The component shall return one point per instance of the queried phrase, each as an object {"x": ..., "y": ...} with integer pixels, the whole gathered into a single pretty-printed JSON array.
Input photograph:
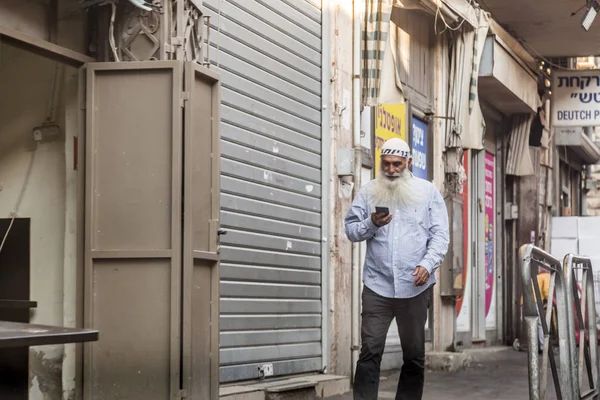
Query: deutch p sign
[{"x": 576, "y": 98}]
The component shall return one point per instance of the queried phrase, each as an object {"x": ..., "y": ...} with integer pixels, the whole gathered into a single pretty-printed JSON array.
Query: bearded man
[{"x": 404, "y": 248}]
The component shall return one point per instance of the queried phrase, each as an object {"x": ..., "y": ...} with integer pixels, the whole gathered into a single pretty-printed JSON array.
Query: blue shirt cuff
[
  {"x": 371, "y": 225},
  {"x": 428, "y": 266}
]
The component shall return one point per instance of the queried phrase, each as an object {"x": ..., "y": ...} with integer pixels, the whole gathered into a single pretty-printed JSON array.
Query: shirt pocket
[
  {"x": 415, "y": 232},
  {"x": 416, "y": 220}
]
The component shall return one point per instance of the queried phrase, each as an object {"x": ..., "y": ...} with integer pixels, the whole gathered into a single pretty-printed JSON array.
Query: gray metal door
[
  {"x": 268, "y": 54},
  {"x": 201, "y": 226},
  {"x": 141, "y": 239}
]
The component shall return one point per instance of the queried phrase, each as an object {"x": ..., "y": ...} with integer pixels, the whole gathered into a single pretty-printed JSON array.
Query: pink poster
[
  {"x": 489, "y": 231},
  {"x": 465, "y": 196}
]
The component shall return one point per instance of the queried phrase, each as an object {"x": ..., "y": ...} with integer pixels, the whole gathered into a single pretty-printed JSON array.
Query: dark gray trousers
[{"x": 377, "y": 315}]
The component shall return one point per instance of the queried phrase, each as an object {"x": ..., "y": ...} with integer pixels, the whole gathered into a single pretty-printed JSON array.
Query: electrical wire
[
  {"x": 111, "y": 33},
  {"x": 50, "y": 116},
  {"x": 531, "y": 48},
  {"x": 15, "y": 211},
  {"x": 440, "y": 15},
  {"x": 144, "y": 5},
  {"x": 218, "y": 34},
  {"x": 546, "y": 60},
  {"x": 7, "y": 232}
]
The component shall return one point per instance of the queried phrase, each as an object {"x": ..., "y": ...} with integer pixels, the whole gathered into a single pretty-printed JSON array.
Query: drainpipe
[
  {"x": 356, "y": 97},
  {"x": 588, "y": 175},
  {"x": 325, "y": 178}
]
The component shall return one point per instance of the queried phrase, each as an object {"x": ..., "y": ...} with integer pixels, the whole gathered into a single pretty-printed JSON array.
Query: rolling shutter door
[{"x": 268, "y": 54}]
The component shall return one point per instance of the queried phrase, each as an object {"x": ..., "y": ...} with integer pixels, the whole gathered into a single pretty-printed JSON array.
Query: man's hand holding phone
[{"x": 381, "y": 216}]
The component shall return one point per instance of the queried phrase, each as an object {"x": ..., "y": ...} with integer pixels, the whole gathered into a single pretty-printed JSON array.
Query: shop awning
[
  {"x": 505, "y": 81},
  {"x": 464, "y": 10},
  {"x": 576, "y": 140}
]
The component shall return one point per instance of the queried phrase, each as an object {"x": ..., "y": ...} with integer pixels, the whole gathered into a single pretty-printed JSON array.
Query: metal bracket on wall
[
  {"x": 185, "y": 96},
  {"x": 345, "y": 161},
  {"x": 366, "y": 158},
  {"x": 511, "y": 211}
]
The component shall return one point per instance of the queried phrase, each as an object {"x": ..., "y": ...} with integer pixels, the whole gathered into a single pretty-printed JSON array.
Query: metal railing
[
  {"x": 533, "y": 309},
  {"x": 575, "y": 324},
  {"x": 582, "y": 325}
]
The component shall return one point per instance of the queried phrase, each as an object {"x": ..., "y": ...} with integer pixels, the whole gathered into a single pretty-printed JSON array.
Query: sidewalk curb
[
  {"x": 453, "y": 362},
  {"x": 447, "y": 361}
]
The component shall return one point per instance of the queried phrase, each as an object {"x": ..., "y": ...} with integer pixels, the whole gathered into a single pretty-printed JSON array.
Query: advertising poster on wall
[
  {"x": 390, "y": 122},
  {"x": 489, "y": 232},
  {"x": 419, "y": 148},
  {"x": 463, "y": 303}
]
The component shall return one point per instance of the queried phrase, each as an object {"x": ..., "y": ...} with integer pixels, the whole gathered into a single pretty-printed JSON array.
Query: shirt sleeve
[
  {"x": 439, "y": 235},
  {"x": 358, "y": 223}
]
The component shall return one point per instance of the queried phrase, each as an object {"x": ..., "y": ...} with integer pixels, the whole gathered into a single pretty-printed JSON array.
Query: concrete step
[
  {"x": 292, "y": 391},
  {"x": 321, "y": 386}
]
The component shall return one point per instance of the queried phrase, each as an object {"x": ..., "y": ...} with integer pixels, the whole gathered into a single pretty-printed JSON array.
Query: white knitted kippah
[{"x": 396, "y": 147}]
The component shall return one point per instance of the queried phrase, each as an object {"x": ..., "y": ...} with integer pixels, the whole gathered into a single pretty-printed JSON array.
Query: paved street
[{"x": 499, "y": 375}]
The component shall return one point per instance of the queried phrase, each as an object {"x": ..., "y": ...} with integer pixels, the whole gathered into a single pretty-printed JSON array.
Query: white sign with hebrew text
[{"x": 576, "y": 98}]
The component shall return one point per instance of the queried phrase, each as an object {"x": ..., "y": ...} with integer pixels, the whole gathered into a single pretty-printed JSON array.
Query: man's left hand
[{"x": 422, "y": 276}]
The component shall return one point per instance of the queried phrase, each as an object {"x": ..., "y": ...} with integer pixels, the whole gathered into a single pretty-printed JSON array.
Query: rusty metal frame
[
  {"x": 531, "y": 257},
  {"x": 585, "y": 314}
]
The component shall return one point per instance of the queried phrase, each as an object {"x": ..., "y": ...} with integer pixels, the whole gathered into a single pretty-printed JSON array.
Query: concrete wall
[
  {"x": 28, "y": 16},
  {"x": 27, "y": 82},
  {"x": 593, "y": 196},
  {"x": 341, "y": 189},
  {"x": 38, "y": 19},
  {"x": 50, "y": 199}
]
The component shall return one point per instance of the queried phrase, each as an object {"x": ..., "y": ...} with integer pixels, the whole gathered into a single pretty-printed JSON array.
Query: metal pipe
[
  {"x": 588, "y": 175},
  {"x": 356, "y": 101},
  {"x": 532, "y": 257},
  {"x": 325, "y": 176},
  {"x": 583, "y": 307},
  {"x": 207, "y": 61},
  {"x": 569, "y": 283},
  {"x": 532, "y": 357}
]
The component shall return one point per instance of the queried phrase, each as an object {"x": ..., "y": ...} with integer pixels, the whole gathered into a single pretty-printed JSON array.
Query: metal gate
[
  {"x": 151, "y": 221},
  {"x": 268, "y": 54}
]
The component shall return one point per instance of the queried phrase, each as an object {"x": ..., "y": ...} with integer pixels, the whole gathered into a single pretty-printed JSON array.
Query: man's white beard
[{"x": 400, "y": 191}]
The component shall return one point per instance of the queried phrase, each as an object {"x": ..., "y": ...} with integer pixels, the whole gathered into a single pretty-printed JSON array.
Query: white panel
[
  {"x": 587, "y": 227},
  {"x": 589, "y": 246},
  {"x": 564, "y": 227},
  {"x": 560, "y": 247}
]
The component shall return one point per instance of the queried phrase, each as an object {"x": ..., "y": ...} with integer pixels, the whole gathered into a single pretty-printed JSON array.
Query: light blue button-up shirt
[{"x": 417, "y": 236}]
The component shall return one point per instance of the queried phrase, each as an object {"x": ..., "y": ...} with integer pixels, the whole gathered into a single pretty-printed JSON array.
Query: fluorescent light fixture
[{"x": 590, "y": 14}]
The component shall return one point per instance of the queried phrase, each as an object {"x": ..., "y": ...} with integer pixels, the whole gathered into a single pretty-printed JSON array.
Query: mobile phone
[{"x": 382, "y": 210}]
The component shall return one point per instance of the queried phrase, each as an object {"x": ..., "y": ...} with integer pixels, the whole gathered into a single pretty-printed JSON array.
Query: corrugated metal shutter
[{"x": 269, "y": 56}]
